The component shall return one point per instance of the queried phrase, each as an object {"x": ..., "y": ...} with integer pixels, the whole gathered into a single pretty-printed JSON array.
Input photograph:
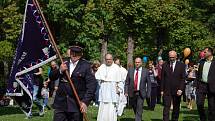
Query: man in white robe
[
  {"x": 122, "y": 101},
  {"x": 108, "y": 75}
]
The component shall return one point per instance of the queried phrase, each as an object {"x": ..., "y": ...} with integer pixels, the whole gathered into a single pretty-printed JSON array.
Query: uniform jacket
[{"x": 84, "y": 82}]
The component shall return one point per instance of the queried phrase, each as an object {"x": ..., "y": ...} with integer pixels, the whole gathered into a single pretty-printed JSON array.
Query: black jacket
[
  {"x": 211, "y": 76},
  {"x": 84, "y": 82},
  {"x": 173, "y": 81}
]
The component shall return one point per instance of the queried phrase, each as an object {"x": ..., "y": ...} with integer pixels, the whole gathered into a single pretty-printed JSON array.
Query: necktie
[
  {"x": 136, "y": 79},
  {"x": 171, "y": 67}
]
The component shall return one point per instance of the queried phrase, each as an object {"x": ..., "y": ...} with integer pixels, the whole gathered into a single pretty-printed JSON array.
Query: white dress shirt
[
  {"x": 72, "y": 67},
  {"x": 139, "y": 77}
]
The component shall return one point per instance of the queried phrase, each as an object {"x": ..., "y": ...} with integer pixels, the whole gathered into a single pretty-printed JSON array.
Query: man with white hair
[
  {"x": 172, "y": 85},
  {"x": 108, "y": 75}
]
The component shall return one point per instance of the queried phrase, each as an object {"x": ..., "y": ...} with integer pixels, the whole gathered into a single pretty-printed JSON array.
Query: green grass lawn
[{"x": 15, "y": 114}]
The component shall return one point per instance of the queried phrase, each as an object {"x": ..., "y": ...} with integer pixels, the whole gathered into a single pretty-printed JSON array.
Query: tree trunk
[
  {"x": 103, "y": 50},
  {"x": 103, "y": 44},
  {"x": 130, "y": 51},
  {"x": 6, "y": 71}
]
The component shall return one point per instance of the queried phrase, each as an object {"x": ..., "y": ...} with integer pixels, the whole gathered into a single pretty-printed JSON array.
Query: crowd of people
[{"x": 112, "y": 87}]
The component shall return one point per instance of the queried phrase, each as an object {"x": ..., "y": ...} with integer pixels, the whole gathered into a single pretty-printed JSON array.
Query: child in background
[{"x": 45, "y": 95}]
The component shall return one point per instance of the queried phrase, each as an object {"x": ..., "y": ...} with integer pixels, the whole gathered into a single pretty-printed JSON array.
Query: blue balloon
[
  {"x": 159, "y": 58},
  {"x": 145, "y": 59}
]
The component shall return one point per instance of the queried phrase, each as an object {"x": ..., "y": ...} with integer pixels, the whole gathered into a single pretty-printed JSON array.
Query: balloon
[
  {"x": 159, "y": 58},
  {"x": 145, "y": 59},
  {"x": 201, "y": 54},
  {"x": 187, "y": 61},
  {"x": 187, "y": 52}
]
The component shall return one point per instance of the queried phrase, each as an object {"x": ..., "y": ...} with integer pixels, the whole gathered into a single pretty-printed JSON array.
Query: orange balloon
[
  {"x": 187, "y": 61},
  {"x": 187, "y": 52}
]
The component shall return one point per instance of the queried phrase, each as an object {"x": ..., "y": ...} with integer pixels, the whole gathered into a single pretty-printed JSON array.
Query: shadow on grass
[
  {"x": 10, "y": 110},
  {"x": 190, "y": 112},
  {"x": 156, "y": 120},
  {"x": 191, "y": 115},
  {"x": 126, "y": 119}
]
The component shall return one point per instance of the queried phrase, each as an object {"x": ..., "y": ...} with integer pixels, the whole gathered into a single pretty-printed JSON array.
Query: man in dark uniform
[{"x": 65, "y": 104}]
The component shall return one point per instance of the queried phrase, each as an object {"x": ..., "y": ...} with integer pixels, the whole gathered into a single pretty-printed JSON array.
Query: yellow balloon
[
  {"x": 187, "y": 61},
  {"x": 187, "y": 52}
]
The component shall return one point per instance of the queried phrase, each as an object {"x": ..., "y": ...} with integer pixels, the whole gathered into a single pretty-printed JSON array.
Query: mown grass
[{"x": 15, "y": 114}]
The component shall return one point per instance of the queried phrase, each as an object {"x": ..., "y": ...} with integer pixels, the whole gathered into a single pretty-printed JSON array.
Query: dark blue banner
[{"x": 34, "y": 49}]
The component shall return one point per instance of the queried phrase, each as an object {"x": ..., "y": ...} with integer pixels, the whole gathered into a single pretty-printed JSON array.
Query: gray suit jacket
[{"x": 145, "y": 82}]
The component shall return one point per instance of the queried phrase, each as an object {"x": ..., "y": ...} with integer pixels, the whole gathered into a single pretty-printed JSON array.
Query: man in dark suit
[
  {"x": 65, "y": 104},
  {"x": 206, "y": 86},
  {"x": 137, "y": 81},
  {"x": 173, "y": 78}
]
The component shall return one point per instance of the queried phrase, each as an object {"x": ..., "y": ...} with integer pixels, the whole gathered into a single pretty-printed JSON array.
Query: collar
[
  {"x": 209, "y": 59},
  {"x": 74, "y": 63},
  {"x": 139, "y": 69}
]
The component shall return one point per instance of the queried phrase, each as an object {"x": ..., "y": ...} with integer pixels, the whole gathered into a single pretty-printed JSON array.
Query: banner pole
[{"x": 60, "y": 57}]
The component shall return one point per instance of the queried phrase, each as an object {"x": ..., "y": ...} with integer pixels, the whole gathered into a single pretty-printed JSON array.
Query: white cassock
[
  {"x": 122, "y": 101},
  {"x": 109, "y": 76}
]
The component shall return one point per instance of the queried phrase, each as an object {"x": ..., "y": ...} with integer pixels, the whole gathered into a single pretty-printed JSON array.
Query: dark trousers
[
  {"x": 159, "y": 93},
  {"x": 137, "y": 105},
  {"x": 201, "y": 93},
  {"x": 176, "y": 107},
  {"x": 151, "y": 102},
  {"x": 211, "y": 106},
  {"x": 67, "y": 116}
]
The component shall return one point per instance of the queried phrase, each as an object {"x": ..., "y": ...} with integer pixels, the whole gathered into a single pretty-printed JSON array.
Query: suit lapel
[
  {"x": 142, "y": 75},
  {"x": 176, "y": 64},
  {"x": 132, "y": 77},
  {"x": 212, "y": 64}
]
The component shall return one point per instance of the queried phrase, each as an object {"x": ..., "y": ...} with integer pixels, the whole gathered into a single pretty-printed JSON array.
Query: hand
[
  {"x": 63, "y": 67},
  {"x": 162, "y": 93},
  {"x": 55, "y": 88},
  {"x": 179, "y": 92},
  {"x": 83, "y": 107},
  {"x": 126, "y": 94}
]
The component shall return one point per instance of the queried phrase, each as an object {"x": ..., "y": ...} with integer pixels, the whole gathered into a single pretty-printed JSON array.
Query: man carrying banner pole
[{"x": 33, "y": 50}]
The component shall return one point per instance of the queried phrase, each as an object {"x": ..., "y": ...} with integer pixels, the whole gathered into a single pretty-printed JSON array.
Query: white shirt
[
  {"x": 173, "y": 65},
  {"x": 72, "y": 67},
  {"x": 139, "y": 77}
]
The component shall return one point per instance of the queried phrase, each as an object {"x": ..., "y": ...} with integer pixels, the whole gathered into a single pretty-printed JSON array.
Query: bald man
[
  {"x": 109, "y": 76},
  {"x": 137, "y": 87},
  {"x": 172, "y": 84}
]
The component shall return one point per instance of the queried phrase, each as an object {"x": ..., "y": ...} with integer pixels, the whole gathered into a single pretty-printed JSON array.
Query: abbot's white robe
[{"x": 108, "y": 76}]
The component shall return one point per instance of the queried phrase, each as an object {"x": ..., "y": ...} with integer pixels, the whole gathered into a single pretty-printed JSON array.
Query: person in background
[
  {"x": 158, "y": 70},
  {"x": 151, "y": 101},
  {"x": 37, "y": 86},
  {"x": 122, "y": 101},
  {"x": 190, "y": 90},
  {"x": 95, "y": 67},
  {"x": 52, "y": 81},
  {"x": 45, "y": 95}
]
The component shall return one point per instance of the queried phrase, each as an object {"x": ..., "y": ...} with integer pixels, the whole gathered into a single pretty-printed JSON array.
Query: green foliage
[
  {"x": 6, "y": 50},
  {"x": 153, "y": 24},
  {"x": 10, "y": 29}
]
